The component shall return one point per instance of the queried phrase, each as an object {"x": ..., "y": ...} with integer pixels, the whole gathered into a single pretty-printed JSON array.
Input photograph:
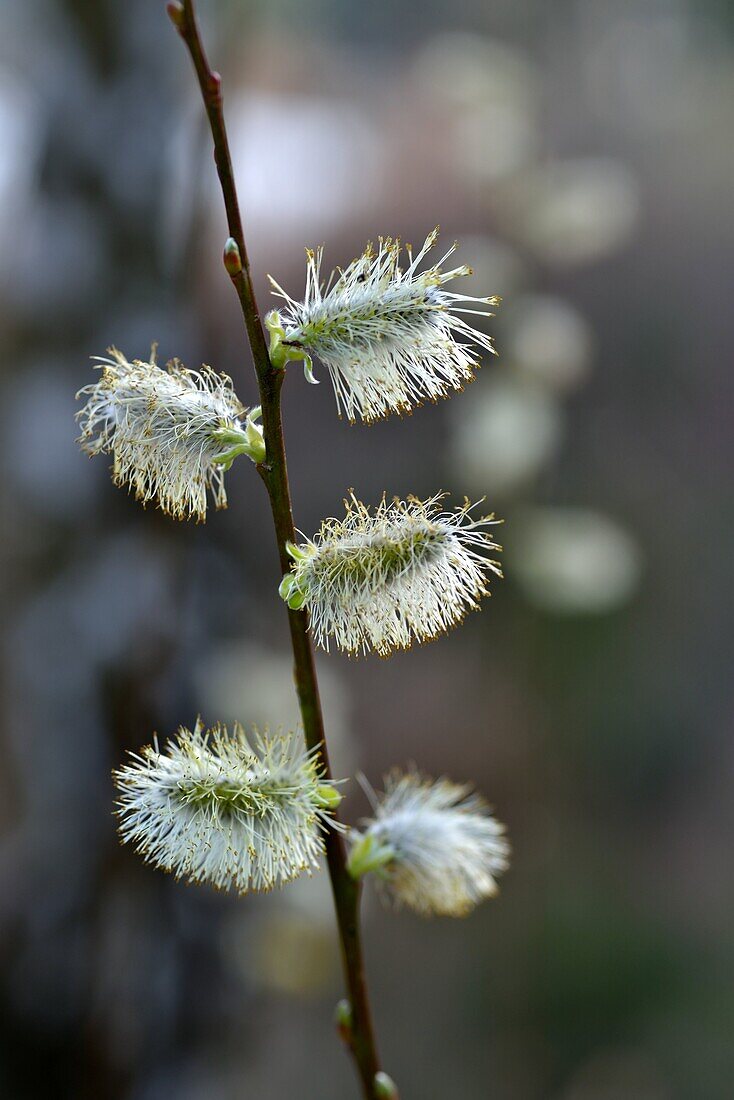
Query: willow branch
[{"x": 274, "y": 472}]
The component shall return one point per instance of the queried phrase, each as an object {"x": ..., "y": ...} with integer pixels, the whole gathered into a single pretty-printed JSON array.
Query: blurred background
[{"x": 582, "y": 155}]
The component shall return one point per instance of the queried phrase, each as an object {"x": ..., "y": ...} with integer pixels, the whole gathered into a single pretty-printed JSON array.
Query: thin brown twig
[{"x": 274, "y": 473}]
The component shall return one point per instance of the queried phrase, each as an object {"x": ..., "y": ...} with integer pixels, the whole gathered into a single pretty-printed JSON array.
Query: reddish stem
[{"x": 274, "y": 472}]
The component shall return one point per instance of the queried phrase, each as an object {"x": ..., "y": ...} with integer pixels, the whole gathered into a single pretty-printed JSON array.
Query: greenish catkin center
[
  {"x": 230, "y": 798},
  {"x": 385, "y": 555},
  {"x": 330, "y": 324}
]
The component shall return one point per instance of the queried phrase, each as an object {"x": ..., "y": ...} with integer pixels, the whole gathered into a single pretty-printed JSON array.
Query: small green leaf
[
  {"x": 328, "y": 797},
  {"x": 369, "y": 854},
  {"x": 289, "y": 591}
]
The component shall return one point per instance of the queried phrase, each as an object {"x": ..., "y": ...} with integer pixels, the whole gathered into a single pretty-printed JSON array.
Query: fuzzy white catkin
[
  {"x": 445, "y": 848},
  {"x": 381, "y": 580},
  {"x": 167, "y": 430},
  {"x": 390, "y": 337},
  {"x": 212, "y": 807}
]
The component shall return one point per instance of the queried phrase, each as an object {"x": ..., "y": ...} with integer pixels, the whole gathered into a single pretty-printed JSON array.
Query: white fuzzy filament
[
  {"x": 390, "y": 337},
  {"x": 167, "y": 430},
  {"x": 445, "y": 847},
  {"x": 215, "y": 808},
  {"x": 379, "y": 581}
]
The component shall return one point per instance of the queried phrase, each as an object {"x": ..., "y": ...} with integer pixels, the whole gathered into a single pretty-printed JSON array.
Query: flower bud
[
  {"x": 231, "y": 257},
  {"x": 385, "y": 1087},
  {"x": 176, "y": 14},
  {"x": 328, "y": 797},
  {"x": 344, "y": 1020},
  {"x": 214, "y": 87}
]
